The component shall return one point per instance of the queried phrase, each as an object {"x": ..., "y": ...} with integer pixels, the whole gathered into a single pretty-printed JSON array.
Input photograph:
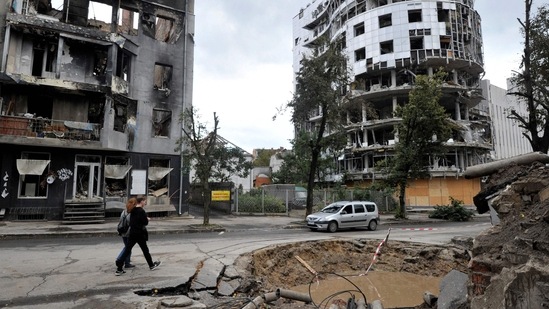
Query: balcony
[{"x": 15, "y": 126}]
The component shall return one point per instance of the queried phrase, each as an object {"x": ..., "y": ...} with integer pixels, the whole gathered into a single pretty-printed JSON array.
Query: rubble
[
  {"x": 510, "y": 261},
  {"x": 507, "y": 266}
]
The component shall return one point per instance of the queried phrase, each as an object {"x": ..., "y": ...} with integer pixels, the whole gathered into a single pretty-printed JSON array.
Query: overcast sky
[{"x": 243, "y": 62}]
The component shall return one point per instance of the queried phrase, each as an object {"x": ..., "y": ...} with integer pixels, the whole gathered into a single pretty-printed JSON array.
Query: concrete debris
[
  {"x": 453, "y": 291},
  {"x": 509, "y": 268}
]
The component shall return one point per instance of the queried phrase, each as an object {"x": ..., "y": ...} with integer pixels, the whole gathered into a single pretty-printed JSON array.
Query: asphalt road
[{"x": 79, "y": 272}]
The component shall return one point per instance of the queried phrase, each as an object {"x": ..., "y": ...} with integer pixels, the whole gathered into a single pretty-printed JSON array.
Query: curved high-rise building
[{"x": 388, "y": 43}]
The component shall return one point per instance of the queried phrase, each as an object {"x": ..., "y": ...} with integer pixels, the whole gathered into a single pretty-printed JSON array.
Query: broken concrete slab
[
  {"x": 453, "y": 290},
  {"x": 208, "y": 275}
]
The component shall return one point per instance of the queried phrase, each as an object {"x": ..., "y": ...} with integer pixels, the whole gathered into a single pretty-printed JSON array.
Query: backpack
[{"x": 123, "y": 225}]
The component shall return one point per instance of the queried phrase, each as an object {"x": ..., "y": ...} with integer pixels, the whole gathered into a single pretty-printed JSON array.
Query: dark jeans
[
  {"x": 141, "y": 240},
  {"x": 127, "y": 261}
]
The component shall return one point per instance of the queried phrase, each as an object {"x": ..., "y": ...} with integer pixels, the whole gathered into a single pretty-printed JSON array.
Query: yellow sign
[{"x": 221, "y": 195}]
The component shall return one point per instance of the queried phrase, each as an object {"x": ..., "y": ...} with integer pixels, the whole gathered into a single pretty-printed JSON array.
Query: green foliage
[
  {"x": 422, "y": 132},
  {"x": 264, "y": 157},
  {"x": 453, "y": 212},
  {"x": 251, "y": 203},
  {"x": 295, "y": 164},
  {"x": 229, "y": 161},
  {"x": 320, "y": 83},
  {"x": 360, "y": 194}
]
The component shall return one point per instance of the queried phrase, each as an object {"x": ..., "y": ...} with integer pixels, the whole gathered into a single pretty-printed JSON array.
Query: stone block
[{"x": 544, "y": 194}]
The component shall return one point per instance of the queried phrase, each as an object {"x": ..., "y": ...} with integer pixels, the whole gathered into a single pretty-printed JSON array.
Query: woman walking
[
  {"x": 138, "y": 235},
  {"x": 125, "y": 220}
]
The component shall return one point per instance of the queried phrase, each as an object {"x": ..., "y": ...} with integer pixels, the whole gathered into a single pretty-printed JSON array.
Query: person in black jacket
[{"x": 138, "y": 235}]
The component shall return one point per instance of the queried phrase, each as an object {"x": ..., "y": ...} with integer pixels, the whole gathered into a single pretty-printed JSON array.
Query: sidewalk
[{"x": 178, "y": 224}]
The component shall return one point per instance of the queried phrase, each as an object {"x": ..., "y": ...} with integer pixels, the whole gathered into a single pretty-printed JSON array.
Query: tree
[
  {"x": 532, "y": 82},
  {"x": 321, "y": 82},
  {"x": 264, "y": 157},
  {"x": 421, "y": 135},
  {"x": 209, "y": 155},
  {"x": 295, "y": 163}
]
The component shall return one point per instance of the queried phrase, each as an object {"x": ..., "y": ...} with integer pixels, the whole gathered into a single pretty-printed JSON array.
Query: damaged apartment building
[
  {"x": 388, "y": 43},
  {"x": 90, "y": 106}
]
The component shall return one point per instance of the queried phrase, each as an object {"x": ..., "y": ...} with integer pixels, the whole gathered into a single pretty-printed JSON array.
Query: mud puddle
[{"x": 393, "y": 289}]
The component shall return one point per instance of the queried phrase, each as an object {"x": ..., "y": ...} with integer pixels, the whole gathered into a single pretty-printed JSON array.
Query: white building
[
  {"x": 388, "y": 43},
  {"x": 507, "y": 136}
]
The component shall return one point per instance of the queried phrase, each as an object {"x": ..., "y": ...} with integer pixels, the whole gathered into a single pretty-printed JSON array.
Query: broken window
[
  {"x": 123, "y": 64},
  {"x": 127, "y": 21},
  {"x": 162, "y": 77},
  {"x": 385, "y": 21},
  {"x": 360, "y": 54},
  {"x": 38, "y": 58},
  {"x": 359, "y": 29},
  {"x": 99, "y": 15},
  {"x": 445, "y": 42},
  {"x": 158, "y": 172},
  {"x": 41, "y": 106},
  {"x": 116, "y": 176},
  {"x": 162, "y": 120},
  {"x": 414, "y": 16},
  {"x": 51, "y": 58},
  {"x": 386, "y": 47},
  {"x": 416, "y": 43},
  {"x": 33, "y": 171},
  {"x": 165, "y": 30},
  {"x": 86, "y": 177},
  {"x": 120, "y": 116},
  {"x": 100, "y": 62},
  {"x": 443, "y": 15},
  {"x": 32, "y": 7}
]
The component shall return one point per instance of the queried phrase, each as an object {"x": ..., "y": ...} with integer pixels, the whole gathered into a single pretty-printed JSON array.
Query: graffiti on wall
[
  {"x": 5, "y": 179},
  {"x": 64, "y": 174}
]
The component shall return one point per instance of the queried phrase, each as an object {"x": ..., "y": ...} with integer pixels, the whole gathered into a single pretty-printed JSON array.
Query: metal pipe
[
  {"x": 270, "y": 297},
  {"x": 306, "y": 298},
  {"x": 183, "y": 170},
  {"x": 254, "y": 304}
]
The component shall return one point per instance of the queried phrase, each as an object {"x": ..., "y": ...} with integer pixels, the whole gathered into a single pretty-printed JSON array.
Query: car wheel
[
  {"x": 332, "y": 227},
  {"x": 372, "y": 226}
]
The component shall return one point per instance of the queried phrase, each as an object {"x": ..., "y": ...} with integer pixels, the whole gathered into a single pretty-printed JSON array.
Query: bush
[
  {"x": 453, "y": 212},
  {"x": 251, "y": 203}
]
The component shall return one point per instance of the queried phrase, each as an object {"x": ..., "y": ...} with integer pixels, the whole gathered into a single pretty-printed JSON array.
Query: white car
[{"x": 345, "y": 214}]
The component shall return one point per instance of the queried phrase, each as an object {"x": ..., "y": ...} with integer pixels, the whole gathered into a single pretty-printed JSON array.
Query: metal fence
[{"x": 259, "y": 201}]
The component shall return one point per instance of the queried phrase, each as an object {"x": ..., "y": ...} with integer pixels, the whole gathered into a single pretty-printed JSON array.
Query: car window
[
  {"x": 348, "y": 209},
  {"x": 359, "y": 208},
  {"x": 331, "y": 209},
  {"x": 371, "y": 207}
]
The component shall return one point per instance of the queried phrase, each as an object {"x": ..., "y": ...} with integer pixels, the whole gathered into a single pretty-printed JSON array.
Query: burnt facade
[{"x": 89, "y": 109}]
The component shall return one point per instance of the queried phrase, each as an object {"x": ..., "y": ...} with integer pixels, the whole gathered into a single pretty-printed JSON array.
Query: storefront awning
[
  {"x": 31, "y": 167},
  {"x": 157, "y": 173},
  {"x": 117, "y": 171}
]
